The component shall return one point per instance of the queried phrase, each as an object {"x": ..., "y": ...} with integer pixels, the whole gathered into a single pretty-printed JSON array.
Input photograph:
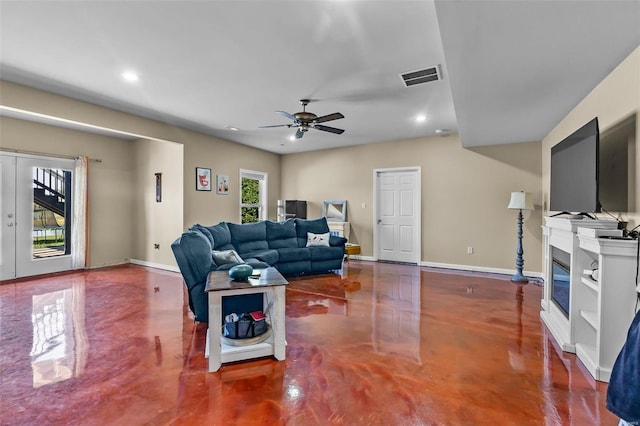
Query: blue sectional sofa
[{"x": 282, "y": 245}]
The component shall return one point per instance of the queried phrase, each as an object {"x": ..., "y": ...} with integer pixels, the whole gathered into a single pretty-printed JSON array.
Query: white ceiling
[{"x": 511, "y": 69}]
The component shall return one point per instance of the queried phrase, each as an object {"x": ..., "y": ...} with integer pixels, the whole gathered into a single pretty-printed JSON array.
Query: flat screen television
[{"x": 575, "y": 167}]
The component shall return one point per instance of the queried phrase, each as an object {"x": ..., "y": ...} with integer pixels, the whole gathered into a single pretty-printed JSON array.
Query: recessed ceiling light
[
  {"x": 292, "y": 138},
  {"x": 420, "y": 118},
  {"x": 130, "y": 76},
  {"x": 235, "y": 129}
]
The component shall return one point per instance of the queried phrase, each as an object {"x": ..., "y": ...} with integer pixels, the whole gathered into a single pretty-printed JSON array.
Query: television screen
[
  {"x": 617, "y": 166},
  {"x": 574, "y": 171}
]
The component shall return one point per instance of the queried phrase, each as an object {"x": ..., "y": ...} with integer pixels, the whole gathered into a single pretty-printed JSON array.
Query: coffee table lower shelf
[{"x": 238, "y": 353}]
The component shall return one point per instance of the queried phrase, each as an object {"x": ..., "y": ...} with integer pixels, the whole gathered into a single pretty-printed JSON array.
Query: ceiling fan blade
[
  {"x": 328, "y": 129},
  {"x": 334, "y": 116},
  {"x": 299, "y": 133},
  {"x": 275, "y": 125},
  {"x": 286, "y": 114}
]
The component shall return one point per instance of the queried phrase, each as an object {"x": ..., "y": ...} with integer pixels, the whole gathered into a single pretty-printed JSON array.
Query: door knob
[
  {"x": 10, "y": 215},
  {"x": 379, "y": 221},
  {"x": 10, "y": 224}
]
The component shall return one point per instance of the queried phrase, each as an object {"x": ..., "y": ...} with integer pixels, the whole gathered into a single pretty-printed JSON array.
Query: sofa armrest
[
  {"x": 337, "y": 241},
  {"x": 193, "y": 255}
]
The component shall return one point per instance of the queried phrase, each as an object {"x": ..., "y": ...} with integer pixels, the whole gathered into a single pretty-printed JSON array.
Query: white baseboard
[
  {"x": 359, "y": 257},
  {"x": 107, "y": 265},
  {"x": 479, "y": 269},
  {"x": 154, "y": 265},
  {"x": 454, "y": 266},
  {"x": 373, "y": 259}
]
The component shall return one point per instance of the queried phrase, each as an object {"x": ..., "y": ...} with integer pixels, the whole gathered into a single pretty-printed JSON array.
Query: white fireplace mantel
[{"x": 601, "y": 308}]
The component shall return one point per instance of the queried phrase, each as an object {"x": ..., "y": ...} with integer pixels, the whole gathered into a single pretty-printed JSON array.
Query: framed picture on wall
[
  {"x": 203, "y": 179},
  {"x": 158, "y": 187},
  {"x": 223, "y": 184}
]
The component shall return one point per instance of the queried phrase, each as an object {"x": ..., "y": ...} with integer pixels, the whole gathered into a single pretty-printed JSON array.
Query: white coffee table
[{"x": 272, "y": 285}]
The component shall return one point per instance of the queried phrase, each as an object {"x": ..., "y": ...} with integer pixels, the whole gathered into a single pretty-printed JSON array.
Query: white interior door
[
  {"x": 397, "y": 235},
  {"x": 37, "y": 239}
]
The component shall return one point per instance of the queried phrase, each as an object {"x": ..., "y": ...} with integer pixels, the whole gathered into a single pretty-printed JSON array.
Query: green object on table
[{"x": 240, "y": 272}]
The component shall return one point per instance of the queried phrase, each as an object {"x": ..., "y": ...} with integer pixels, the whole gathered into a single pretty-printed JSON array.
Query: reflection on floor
[{"x": 376, "y": 344}]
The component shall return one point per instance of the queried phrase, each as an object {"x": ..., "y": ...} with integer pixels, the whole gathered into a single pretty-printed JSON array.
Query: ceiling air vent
[{"x": 421, "y": 76}]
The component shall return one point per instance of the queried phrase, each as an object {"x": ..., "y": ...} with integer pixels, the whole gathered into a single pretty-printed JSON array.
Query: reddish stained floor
[{"x": 378, "y": 344}]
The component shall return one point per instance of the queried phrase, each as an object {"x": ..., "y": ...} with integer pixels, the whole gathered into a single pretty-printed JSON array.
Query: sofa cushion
[
  {"x": 326, "y": 253},
  {"x": 221, "y": 236},
  {"x": 315, "y": 226},
  {"x": 204, "y": 230},
  {"x": 226, "y": 256},
  {"x": 255, "y": 263},
  {"x": 249, "y": 237},
  {"x": 268, "y": 256},
  {"x": 293, "y": 254},
  {"x": 281, "y": 234}
]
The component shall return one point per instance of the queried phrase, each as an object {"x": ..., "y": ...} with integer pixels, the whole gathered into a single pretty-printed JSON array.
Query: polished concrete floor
[{"x": 377, "y": 344}]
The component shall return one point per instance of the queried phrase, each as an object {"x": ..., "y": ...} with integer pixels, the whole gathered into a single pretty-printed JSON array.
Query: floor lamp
[{"x": 520, "y": 201}]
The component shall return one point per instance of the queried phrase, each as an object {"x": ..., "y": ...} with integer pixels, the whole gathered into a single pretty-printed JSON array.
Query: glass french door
[{"x": 36, "y": 210}]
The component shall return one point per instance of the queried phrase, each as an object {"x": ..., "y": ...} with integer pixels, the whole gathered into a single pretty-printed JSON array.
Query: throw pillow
[
  {"x": 318, "y": 239},
  {"x": 226, "y": 256}
]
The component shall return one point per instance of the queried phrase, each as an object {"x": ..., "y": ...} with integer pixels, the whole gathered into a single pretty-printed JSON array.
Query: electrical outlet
[
  {"x": 364, "y": 205},
  {"x": 469, "y": 250}
]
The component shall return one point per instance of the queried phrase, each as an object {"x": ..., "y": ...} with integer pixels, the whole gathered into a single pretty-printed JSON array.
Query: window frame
[{"x": 263, "y": 179}]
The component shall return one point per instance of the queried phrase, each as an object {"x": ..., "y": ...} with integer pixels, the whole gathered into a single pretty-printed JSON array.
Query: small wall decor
[
  {"x": 203, "y": 179},
  {"x": 335, "y": 210},
  {"x": 223, "y": 184},
  {"x": 158, "y": 187}
]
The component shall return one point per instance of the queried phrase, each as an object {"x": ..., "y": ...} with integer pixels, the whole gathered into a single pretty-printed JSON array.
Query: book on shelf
[{"x": 257, "y": 316}]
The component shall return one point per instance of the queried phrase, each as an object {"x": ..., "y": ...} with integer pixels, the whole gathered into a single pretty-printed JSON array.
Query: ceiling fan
[{"x": 307, "y": 120}]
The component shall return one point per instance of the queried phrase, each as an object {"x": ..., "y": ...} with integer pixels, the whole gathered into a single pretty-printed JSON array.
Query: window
[
  {"x": 253, "y": 196},
  {"x": 51, "y": 212}
]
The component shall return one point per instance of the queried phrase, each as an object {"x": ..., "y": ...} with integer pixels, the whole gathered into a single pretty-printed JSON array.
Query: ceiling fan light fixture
[
  {"x": 304, "y": 121},
  {"x": 130, "y": 76}
]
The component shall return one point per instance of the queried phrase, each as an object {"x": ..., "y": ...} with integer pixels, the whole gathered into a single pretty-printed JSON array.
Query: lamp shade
[{"x": 521, "y": 201}]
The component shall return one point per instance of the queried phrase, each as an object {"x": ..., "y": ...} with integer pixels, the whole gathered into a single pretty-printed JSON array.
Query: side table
[
  {"x": 272, "y": 285},
  {"x": 351, "y": 249}
]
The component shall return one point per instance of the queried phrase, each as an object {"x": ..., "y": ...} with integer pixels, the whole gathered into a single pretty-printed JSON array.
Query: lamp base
[{"x": 517, "y": 278}]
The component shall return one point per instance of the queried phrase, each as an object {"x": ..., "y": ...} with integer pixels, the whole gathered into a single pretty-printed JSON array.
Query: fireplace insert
[{"x": 560, "y": 280}]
